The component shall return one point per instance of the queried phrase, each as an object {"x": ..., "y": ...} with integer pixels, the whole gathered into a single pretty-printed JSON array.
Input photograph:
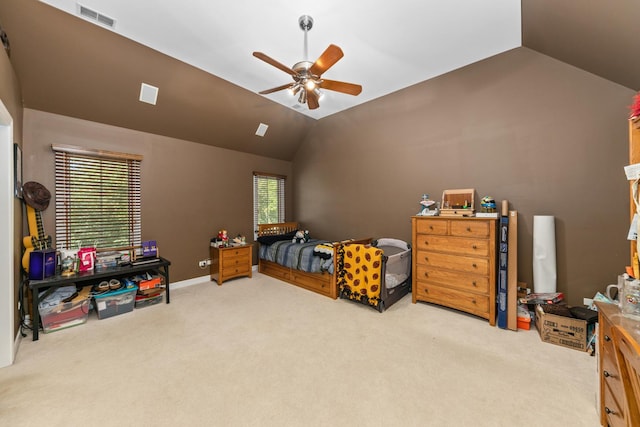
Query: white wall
[{"x": 7, "y": 297}]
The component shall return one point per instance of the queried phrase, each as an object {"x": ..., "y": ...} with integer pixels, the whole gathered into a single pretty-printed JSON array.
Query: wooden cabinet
[
  {"x": 612, "y": 396},
  {"x": 454, "y": 263},
  {"x": 230, "y": 262}
]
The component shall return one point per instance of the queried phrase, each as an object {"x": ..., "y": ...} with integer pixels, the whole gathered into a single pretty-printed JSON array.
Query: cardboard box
[
  {"x": 565, "y": 331},
  {"x": 152, "y": 283}
]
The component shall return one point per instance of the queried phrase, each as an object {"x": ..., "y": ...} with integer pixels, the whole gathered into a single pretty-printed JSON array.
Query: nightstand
[{"x": 230, "y": 262}]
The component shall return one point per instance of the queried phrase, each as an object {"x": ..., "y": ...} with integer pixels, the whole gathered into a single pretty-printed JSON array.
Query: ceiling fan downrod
[{"x": 306, "y": 23}]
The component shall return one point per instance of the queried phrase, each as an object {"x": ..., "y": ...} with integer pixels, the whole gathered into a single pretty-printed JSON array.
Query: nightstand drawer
[{"x": 228, "y": 262}]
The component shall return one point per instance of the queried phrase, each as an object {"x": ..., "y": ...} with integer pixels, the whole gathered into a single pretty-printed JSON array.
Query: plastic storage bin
[
  {"x": 116, "y": 302},
  {"x": 56, "y": 315},
  {"x": 145, "y": 301}
]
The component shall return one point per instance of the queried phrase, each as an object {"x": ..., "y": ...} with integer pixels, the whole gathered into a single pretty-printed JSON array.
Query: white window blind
[
  {"x": 98, "y": 198},
  {"x": 268, "y": 199}
]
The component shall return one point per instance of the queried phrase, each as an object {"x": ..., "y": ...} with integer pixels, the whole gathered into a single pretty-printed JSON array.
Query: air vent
[
  {"x": 148, "y": 94},
  {"x": 92, "y": 15}
]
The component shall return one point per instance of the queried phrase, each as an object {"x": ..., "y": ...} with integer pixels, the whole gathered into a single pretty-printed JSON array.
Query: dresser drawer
[
  {"x": 456, "y": 245},
  {"x": 465, "y": 264},
  {"x": 470, "y": 228},
  {"x": 465, "y": 301},
  {"x": 610, "y": 374},
  {"x": 432, "y": 226},
  {"x": 613, "y": 412},
  {"x": 453, "y": 279}
]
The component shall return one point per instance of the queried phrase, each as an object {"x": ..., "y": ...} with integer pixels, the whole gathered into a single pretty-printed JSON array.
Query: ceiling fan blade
[
  {"x": 329, "y": 57},
  {"x": 275, "y": 89},
  {"x": 348, "y": 88},
  {"x": 275, "y": 63},
  {"x": 312, "y": 100}
]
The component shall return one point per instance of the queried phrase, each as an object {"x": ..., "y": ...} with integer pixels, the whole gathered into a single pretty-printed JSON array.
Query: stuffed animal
[{"x": 301, "y": 236}]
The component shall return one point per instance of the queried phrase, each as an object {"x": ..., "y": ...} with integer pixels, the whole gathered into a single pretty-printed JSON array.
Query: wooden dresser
[
  {"x": 454, "y": 263},
  {"x": 612, "y": 406},
  {"x": 230, "y": 262}
]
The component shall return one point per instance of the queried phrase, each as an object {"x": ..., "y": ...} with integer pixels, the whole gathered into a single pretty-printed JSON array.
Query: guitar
[{"x": 36, "y": 239}]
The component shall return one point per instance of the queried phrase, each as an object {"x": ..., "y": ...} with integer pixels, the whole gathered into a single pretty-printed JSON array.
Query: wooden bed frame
[{"x": 321, "y": 283}]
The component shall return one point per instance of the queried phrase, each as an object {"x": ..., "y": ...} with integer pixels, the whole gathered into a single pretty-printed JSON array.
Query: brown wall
[
  {"x": 520, "y": 126},
  {"x": 11, "y": 97},
  {"x": 189, "y": 190}
]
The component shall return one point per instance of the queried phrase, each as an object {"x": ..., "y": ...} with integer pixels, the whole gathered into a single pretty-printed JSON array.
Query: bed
[{"x": 299, "y": 264}]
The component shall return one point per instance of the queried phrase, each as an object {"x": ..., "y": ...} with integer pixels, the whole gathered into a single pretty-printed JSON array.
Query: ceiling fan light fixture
[
  {"x": 302, "y": 99},
  {"x": 307, "y": 75}
]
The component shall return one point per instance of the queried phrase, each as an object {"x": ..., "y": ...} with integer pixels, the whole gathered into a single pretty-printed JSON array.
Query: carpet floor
[{"x": 260, "y": 352}]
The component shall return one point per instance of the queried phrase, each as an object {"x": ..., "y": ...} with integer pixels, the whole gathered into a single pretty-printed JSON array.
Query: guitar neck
[{"x": 41, "y": 235}]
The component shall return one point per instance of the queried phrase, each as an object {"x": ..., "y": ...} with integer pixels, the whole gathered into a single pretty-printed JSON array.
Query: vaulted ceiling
[{"x": 198, "y": 53}]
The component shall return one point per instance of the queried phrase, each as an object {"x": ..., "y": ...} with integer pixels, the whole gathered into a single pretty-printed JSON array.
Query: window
[
  {"x": 98, "y": 200},
  {"x": 268, "y": 199}
]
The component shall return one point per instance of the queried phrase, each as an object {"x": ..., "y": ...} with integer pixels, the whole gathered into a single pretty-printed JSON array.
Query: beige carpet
[{"x": 259, "y": 352}]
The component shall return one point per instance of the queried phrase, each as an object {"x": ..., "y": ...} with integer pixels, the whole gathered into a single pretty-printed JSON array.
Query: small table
[
  {"x": 86, "y": 278},
  {"x": 231, "y": 261}
]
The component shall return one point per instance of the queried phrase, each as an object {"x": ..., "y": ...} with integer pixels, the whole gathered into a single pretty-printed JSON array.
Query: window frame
[
  {"x": 94, "y": 162},
  {"x": 281, "y": 181}
]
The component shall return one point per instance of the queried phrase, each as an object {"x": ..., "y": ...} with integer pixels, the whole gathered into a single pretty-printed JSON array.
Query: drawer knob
[
  {"x": 473, "y": 301},
  {"x": 469, "y": 229},
  {"x": 606, "y": 374},
  {"x": 474, "y": 247},
  {"x": 609, "y": 411},
  {"x": 431, "y": 227},
  {"x": 426, "y": 274},
  {"x": 606, "y": 338},
  {"x": 426, "y": 243},
  {"x": 474, "y": 284},
  {"x": 426, "y": 258},
  {"x": 474, "y": 265}
]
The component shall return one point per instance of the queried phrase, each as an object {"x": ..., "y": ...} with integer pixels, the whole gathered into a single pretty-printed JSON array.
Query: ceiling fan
[{"x": 307, "y": 76}]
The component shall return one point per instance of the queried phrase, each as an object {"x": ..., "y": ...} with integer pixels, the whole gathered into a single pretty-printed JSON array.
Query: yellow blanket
[{"x": 359, "y": 277}]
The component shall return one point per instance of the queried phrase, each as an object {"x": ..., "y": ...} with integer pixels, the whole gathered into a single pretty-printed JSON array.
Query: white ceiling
[{"x": 387, "y": 45}]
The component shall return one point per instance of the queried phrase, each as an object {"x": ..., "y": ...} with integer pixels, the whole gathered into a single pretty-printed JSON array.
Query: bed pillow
[{"x": 268, "y": 240}]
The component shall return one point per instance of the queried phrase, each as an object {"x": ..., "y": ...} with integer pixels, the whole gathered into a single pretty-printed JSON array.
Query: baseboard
[
  {"x": 189, "y": 282},
  {"x": 197, "y": 280}
]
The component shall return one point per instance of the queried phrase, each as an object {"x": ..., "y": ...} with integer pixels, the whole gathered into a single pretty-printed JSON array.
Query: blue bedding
[{"x": 299, "y": 256}]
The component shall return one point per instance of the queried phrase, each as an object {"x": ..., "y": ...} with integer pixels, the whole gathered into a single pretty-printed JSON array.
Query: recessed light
[{"x": 262, "y": 129}]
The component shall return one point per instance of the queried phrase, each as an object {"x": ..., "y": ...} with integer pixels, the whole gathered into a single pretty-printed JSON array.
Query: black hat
[{"x": 36, "y": 195}]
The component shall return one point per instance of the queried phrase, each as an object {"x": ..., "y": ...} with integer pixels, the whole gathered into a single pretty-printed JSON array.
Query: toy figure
[
  {"x": 425, "y": 203},
  {"x": 222, "y": 236},
  {"x": 488, "y": 204}
]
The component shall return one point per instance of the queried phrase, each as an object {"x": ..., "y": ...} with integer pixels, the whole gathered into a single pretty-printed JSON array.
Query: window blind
[
  {"x": 268, "y": 199},
  {"x": 98, "y": 199}
]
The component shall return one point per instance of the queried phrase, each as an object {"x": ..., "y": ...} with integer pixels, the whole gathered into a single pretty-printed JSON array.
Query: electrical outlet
[{"x": 202, "y": 264}]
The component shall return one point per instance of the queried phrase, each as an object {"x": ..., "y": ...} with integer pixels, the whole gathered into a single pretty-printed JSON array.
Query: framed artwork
[{"x": 17, "y": 170}]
